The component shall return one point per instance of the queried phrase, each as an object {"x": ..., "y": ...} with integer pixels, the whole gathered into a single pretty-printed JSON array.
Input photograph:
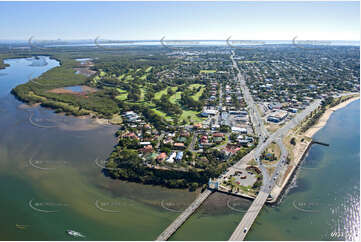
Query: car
[{"x": 245, "y": 230}]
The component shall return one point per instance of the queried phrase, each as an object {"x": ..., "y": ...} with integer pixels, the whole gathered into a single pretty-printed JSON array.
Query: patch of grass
[
  {"x": 120, "y": 90},
  {"x": 102, "y": 73},
  {"x": 207, "y": 71},
  {"x": 198, "y": 94},
  {"x": 190, "y": 116},
  {"x": 195, "y": 86},
  {"x": 148, "y": 69},
  {"x": 129, "y": 78},
  {"x": 174, "y": 98},
  {"x": 121, "y": 77},
  {"x": 122, "y": 97},
  {"x": 142, "y": 92},
  {"x": 159, "y": 94},
  {"x": 144, "y": 77},
  {"x": 162, "y": 114},
  {"x": 116, "y": 119},
  {"x": 252, "y": 163}
]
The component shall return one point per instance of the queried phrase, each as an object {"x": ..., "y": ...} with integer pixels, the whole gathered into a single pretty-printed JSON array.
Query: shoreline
[
  {"x": 325, "y": 117},
  {"x": 277, "y": 191}
]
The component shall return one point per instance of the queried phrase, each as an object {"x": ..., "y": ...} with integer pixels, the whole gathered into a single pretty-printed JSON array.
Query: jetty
[
  {"x": 320, "y": 143},
  {"x": 172, "y": 228}
]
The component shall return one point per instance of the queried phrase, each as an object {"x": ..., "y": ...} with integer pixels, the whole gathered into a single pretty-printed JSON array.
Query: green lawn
[
  {"x": 102, "y": 73},
  {"x": 208, "y": 71},
  {"x": 193, "y": 116}
]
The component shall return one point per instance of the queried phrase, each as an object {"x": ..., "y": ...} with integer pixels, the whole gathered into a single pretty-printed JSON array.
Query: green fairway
[
  {"x": 120, "y": 90},
  {"x": 122, "y": 97},
  {"x": 174, "y": 98},
  {"x": 198, "y": 94},
  {"x": 121, "y": 77},
  {"x": 159, "y": 94},
  {"x": 190, "y": 116},
  {"x": 195, "y": 86},
  {"x": 162, "y": 114},
  {"x": 142, "y": 92},
  {"x": 144, "y": 77},
  {"x": 129, "y": 78}
]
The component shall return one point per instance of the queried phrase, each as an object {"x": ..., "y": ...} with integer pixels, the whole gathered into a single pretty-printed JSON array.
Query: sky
[{"x": 180, "y": 20}]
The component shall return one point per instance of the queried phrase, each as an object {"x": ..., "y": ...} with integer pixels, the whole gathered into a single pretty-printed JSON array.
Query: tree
[
  {"x": 193, "y": 186},
  {"x": 149, "y": 96},
  {"x": 293, "y": 141}
]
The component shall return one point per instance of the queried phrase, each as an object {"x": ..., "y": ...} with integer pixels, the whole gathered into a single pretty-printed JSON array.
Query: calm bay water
[{"x": 49, "y": 182}]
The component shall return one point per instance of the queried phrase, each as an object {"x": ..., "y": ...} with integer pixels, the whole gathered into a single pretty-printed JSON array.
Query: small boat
[
  {"x": 74, "y": 233},
  {"x": 19, "y": 226}
]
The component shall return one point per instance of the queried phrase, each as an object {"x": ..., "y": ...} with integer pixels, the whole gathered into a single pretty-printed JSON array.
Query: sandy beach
[
  {"x": 302, "y": 146},
  {"x": 323, "y": 120}
]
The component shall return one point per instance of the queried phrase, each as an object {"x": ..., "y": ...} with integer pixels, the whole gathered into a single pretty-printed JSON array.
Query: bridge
[
  {"x": 248, "y": 219},
  {"x": 172, "y": 228}
]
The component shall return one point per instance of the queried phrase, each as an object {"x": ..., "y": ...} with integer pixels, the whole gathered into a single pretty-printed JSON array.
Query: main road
[{"x": 264, "y": 141}]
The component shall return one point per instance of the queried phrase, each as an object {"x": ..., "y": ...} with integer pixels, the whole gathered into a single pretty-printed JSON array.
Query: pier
[
  {"x": 320, "y": 143},
  {"x": 172, "y": 228}
]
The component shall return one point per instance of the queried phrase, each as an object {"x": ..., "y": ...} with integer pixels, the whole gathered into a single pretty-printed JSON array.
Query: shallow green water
[{"x": 49, "y": 181}]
